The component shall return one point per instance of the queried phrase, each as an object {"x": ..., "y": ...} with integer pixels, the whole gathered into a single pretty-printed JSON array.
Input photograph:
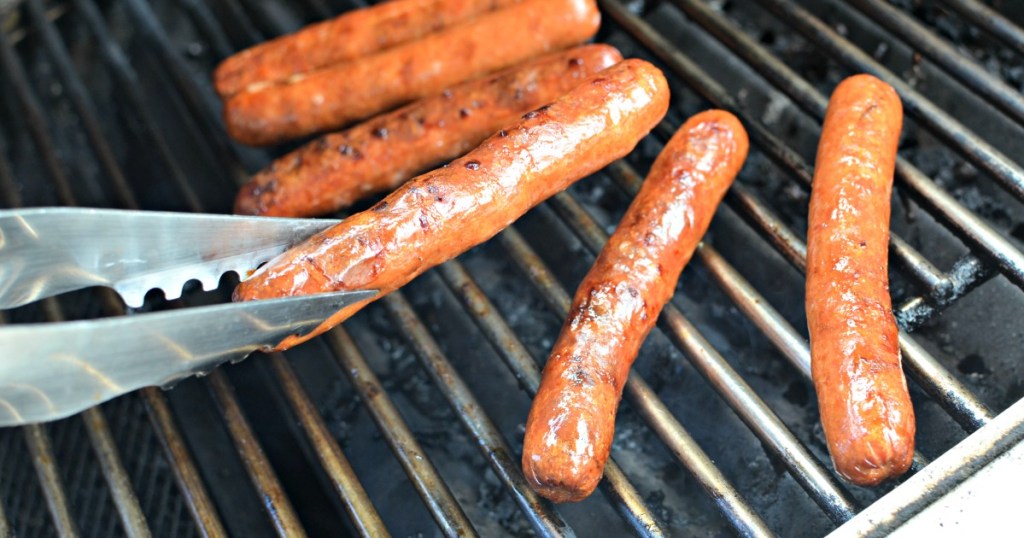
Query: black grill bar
[
  {"x": 201, "y": 101},
  {"x": 733, "y": 506},
  {"x": 350, "y": 492},
  {"x": 954, "y": 62},
  {"x": 545, "y": 520},
  {"x": 80, "y": 99},
  {"x": 974, "y": 149},
  {"x": 41, "y": 449},
  {"x": 422, "y": 473},
  {"x": 991, "y": 21},
  {"x": 128, "y": 84},
  {"x": 275, "y": 502},
  {"x": 526, "y": 371},
  {"x": 33, "y": 113},
  {"x": 132, "y": 518},
  {"x": 186, "y": 476}
]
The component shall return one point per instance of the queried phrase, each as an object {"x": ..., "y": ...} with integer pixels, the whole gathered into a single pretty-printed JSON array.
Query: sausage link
[
  {"x": 855, "y": 357},
  {"x": 572, "y": 422},
  {"x": 443, "y": 213},
  {"x": 334, "y": 97},
  {"x": 338, "y": 169},
  {"x": 345, "y": 37}
]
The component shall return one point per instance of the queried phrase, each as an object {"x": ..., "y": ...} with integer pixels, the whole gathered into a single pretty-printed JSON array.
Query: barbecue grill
[{"x": 408, "y": 419}]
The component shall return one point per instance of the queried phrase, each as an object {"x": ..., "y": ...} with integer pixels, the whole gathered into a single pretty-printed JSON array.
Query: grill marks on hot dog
[
  {"x": 443, "y": 213},
  {"x": 338, "y": 169},
  {"x": 865, "y": 408},
  {"x": 334, "y": 97},
  {"x": 572, "y": 421},
  {"x": 346, "y": 37}
]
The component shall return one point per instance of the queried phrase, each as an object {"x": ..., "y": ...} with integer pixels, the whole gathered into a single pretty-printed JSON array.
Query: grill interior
[{"x": 411, "y": 415}]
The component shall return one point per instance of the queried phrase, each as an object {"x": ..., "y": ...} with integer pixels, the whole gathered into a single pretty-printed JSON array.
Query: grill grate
[{"x": 284, "y": 445}]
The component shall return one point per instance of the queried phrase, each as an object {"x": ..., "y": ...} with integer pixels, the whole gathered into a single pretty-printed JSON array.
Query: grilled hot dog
[
  {"x": 855, "y": 356},
  {"x": 571, "y": 424},
  {"x": 443, "y": 213},
  {"x": 378, "y": 155},
  {"x": 336, "y": 96},
  {"x": 348, "y": 36}
]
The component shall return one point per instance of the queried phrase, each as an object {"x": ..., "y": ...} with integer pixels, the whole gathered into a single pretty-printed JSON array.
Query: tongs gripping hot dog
[{"x": 52, "y": 370}]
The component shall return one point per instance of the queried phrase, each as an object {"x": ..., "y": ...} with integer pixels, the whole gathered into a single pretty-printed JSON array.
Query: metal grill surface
[{"x": 408, "y": 419}]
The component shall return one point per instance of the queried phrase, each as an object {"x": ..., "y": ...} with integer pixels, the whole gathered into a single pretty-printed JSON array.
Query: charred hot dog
[
  {"x": 338, "y": 169},
  {"x": 443, "y": 213},
  {"x": 348, "y": 36},
  {"x": 571, "y": 424},
  {"x": 855, "y": 356},
  {"x": 336, "y": 96}
]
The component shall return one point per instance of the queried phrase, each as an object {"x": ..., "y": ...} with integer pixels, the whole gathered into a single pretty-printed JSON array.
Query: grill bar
[
  {"x": 954, "y": 62},
  {"x": 41, "y": 449},
  {"x": 200, "y": 100},
  {"x": 208, "y": 26},
  {"x": 541, "y": 515},
  {"x": 128, "y": 84},
  {"x": 127, "y": 503},
  {"x": 242, "y": 19},
  {"x": 422, "y": 473},
  {"x": 346, "y": 484},
  {"x": 736, "y": 510},
  {"x": 940, "y": 204},
  {"x": 526, "y": 371},
  {"x": 186, "y": 476},
  {"x": 80, "y": 99},
  {"x": 921, "y": 270},
  {"x": 33, "y": 113},
  {"x": 275, "y": 502},
  {"x": 967, "y": 273},
  {"x": 991, "y": 21},
  {"x": 727, "y": 382},
  {"x": 5, "y": 525},
  {"x": 974, "y": 149}
]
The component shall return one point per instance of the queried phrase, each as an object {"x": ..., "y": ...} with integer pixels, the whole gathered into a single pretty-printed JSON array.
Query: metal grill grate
[{"x": 109, "y": 104}]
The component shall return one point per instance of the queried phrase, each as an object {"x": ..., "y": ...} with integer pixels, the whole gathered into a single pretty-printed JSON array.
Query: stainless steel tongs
[{"x": 53, "y": 370}]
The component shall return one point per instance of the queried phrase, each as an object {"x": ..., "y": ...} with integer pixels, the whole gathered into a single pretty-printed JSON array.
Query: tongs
[{"x": 53, "y": 370}]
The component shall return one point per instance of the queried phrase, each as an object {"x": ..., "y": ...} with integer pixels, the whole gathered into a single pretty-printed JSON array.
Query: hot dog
[
  {"x": 378, "y": 155},
  {"x": 855, "y": 356},
  {"x": 348, "y": 36},
  {"x": 443, "y": 213},
  {"x": 571, "y": 424},
  {"x": 334, "y": 97}
]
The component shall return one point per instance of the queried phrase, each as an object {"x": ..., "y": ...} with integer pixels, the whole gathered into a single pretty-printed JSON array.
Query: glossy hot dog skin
[
  {"x": 336, "y": 96},
  {"x": 336, "y": 170},
  {"x": 572, "y": 422},
  {"x": 443, "y": 213},
  {"x": 855, "y": 356},
  {"x": 345, "y": 37}
]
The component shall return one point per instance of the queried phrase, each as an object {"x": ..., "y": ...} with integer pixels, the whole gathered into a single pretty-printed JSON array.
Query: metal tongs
[{"x": 53, "y": 370}]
